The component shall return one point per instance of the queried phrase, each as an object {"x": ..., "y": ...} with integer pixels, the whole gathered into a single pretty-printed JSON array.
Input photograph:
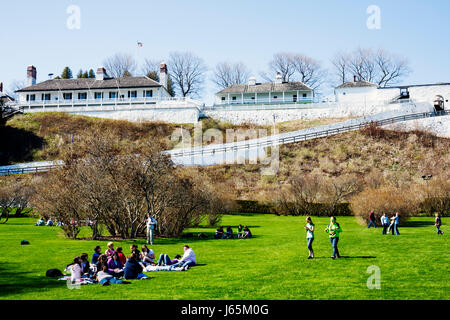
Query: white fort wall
[
  {"x": 338, "y": 110},
  {"x": 166, "y": 115}
]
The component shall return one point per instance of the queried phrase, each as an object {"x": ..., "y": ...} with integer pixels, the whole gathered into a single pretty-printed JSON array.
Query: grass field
[{"x": 272, "y": 265}]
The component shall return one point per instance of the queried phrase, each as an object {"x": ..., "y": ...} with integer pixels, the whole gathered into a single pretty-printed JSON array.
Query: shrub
[{"x": 387, "y": 200}]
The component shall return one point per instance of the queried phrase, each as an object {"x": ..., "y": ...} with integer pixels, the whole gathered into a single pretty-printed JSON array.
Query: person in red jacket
[{"x": 372, "y": 219}]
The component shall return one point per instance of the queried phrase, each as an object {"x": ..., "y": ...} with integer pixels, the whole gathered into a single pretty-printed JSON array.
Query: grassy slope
[{"x": 272, "y": 265}]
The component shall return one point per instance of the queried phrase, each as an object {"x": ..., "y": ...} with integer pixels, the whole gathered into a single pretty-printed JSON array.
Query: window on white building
[
  {"x": 31, "y": 97},
  {"x": 148, "y": 93},
  {"x": 113, "y": 95},
  {"x": 82, "y": 96},
  {"x": 98, "y": 95},
  {"x": 67, "y": 96},
  {"x": 132, "y": 94},
  {"x": 46, "y": 97}
]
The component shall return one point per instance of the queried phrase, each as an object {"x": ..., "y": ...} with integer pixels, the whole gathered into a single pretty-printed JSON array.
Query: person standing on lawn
[
  {"x": 372, "y": 219},
  {"x": 438, "y": 223},
  {"x": 309, "y": 236},
  {"x": 334, "y": 230},
  {"x": 396, "y": 222},
  {"x": 151, "y": 226},
  {"x": 384, "y": 223}
]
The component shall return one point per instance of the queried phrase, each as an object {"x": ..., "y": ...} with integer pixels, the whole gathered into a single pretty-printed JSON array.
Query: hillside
[{"x": 40, "y": 136}]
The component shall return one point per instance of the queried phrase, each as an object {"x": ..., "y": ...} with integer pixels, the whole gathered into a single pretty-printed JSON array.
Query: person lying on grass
[
  {"x": 164, "y": 260},
  {"x": 151, "y": 268},
  {"x": 133, "y": 269},
  {"x": 105, "y": 279}
]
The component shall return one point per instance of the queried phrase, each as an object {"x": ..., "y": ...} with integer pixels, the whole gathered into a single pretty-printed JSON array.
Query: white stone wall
[
  {"x": 265, "y": 117},
  {"x": 165, "y": 115},
  {"x": 357, "y": 94}
]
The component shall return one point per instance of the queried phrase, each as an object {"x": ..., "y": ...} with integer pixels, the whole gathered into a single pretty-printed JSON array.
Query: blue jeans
[
  {"x": 110, "y": 280},
  {"x": 309, "y": 241},
  {"x": 183, "y": 264},
  {"x": 385, "y": 226},
  {"x": 371, "y": 223},
  {"x": 164, "y": 260},
  {"x": 334, "y": 244},
  {"x": 396, "y": 229},
  {"x": 439, "y": 231},
  {"x": 141, "y": 275}
]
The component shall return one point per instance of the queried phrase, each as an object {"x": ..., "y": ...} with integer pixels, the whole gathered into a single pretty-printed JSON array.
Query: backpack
[
  {"x": 53, "y": 273},
  {"x": 24, "y": 242}
]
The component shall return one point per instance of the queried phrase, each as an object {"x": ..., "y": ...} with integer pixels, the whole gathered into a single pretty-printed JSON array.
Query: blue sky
[{"x": 35, "y": 32}]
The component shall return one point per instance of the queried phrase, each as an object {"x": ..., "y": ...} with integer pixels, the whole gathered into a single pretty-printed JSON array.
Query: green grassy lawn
[{"x": 272, "y": 265}]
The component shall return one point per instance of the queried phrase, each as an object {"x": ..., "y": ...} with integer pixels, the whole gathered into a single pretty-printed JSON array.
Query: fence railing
[
  {"x": 261, "y": 144},
  {"x": 34, "y": 169},
  {"x": 302, "y": 137}
]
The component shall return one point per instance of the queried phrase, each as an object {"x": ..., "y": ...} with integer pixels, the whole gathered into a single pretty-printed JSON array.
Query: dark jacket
[{"x": 132, "y": 269}]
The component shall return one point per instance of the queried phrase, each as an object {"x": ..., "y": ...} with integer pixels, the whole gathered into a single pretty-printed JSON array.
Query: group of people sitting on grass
[
  {"x": 49, "y": 223},
  {"x": 243, "y": 232},
  {"x": 333, "y": 229},
  {"x": 113, "y": 266}
]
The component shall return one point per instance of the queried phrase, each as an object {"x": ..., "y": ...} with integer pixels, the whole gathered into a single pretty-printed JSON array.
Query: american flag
[{"x": 140, "y": 44}]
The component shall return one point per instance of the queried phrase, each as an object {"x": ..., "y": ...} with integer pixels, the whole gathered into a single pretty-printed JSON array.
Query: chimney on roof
[
  {"x": 251, "y": 81},
  {"x": 163, "y": 76},
  {"x": 1, "y": 87},
  {"x": 279, "y": 78},
  {"x": 355, "y": 78},
  {"x": 31, "y": 75},
  {"x": 101, "y": 74}
]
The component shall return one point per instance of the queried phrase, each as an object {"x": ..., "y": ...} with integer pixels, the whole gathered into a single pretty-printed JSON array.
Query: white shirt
[
  {"x": 189, "y": 255},
  {"x": 76, "y": 272}
]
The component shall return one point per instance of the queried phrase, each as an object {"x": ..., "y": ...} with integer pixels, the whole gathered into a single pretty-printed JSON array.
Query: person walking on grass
[
  {"x": 334, "y": 230},
  {"x": 391, "y": 225},
  {"x": 438, "y": 223},
  {"x": 372, "y": 220},
  {"x": 151, "y": 225},
  {"x": 309, "y": 236},
  {"x": 384, "y": 223}
]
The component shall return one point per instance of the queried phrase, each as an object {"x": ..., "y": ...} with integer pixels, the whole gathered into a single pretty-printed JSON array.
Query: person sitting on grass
[
  {"x": 105, "y": 279},
  {"x": 50, "y": 223},
  {"x": 85, "y": 266},
  {"x": 133, "y": 269},
  {"x": 102, "y": 261},
  {"x": 96, "y": 255},
  {"x": 334, "y": 230},
  {"x": 147, "y": 256},
  {"x": 438, "y": 223},
  {"x": 40, "y": 222},
  {"x": 247, "y": 233},
  {"x": 309, "y": 236},
  {"x": 240, "y": 232},
  {"x": 188, "y": 259},
  {"x": 164, "y": 260},
  {"x": 122, "y": 257},
  {"x": 219, "y": 233},
  {"x": 109, "y": 252},
  {"x": 75, "y": 270},
  {"x": 115, "y": 267},
  {"x": 229, "y": 234}
]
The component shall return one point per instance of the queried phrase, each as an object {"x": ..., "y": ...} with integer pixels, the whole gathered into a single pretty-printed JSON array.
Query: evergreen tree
[
  {"x": 126, "y": 74},
  {"x": 91, "y": 74},
  {"x": 80, "y": 74},
  {"x": 67, "y": 73},
  {"x": 85, "y": 75},
  {"x": 154, "y": 75}
]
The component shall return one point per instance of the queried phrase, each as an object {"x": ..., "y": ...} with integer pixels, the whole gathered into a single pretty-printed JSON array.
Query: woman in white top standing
[{"x": 310, "y": 236}]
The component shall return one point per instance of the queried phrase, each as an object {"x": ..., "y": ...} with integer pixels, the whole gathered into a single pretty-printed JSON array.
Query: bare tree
[
  {"x": 16, "y": 85},
  {"x": 377, "y": 66},
  {"x": 391, "y": 68},
  {"x": 188, "y": 73},
  {"x": 341, "y": 62},
  {"x": 150, "y": 68},
  {"x": 226, "y": 74},
  {"x": 283, "y": 64},
  {"x": 309, "y": 70},
  {"x": 120, "y": 65}
]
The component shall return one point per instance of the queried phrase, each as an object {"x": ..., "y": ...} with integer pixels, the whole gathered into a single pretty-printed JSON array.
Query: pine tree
[
  {"x": 80, "y": 74},
  {"x": 85, "y": 75},
  {"x": 67, "y": 73},
  {"x": 91, "y": 74}
]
